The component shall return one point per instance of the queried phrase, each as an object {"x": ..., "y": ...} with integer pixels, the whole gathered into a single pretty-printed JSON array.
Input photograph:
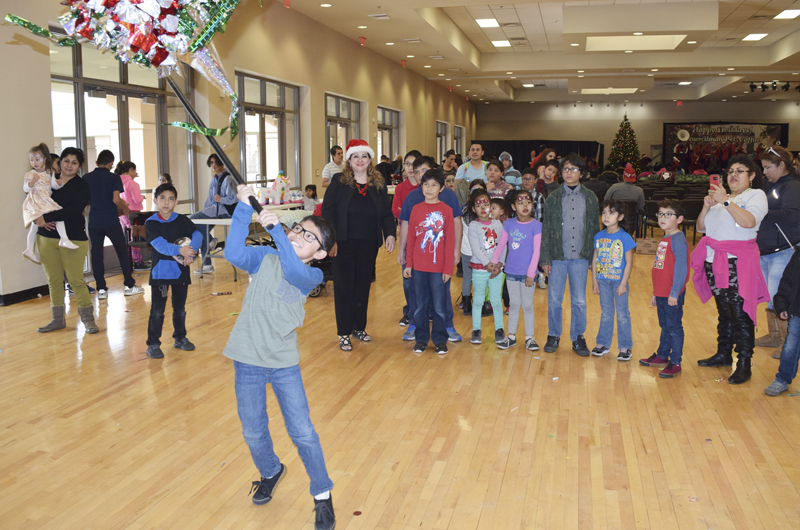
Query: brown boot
[
  {"x": 87, "y": 317},
  {"x": 772, "y": 339},
  {"x": 58, "y": 322},
  {"x": 783, "y": 330}
]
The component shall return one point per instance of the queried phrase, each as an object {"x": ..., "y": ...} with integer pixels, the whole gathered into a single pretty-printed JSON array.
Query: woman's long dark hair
[
  {"x": 751, "y": 166},
  {"x": 123, "y": 167}
]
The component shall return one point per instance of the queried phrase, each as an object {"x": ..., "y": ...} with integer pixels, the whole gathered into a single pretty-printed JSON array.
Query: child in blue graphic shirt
[
  {"x": 175, "y": 242},
  {"x": 263, "y": 345},
  {"x": 611, "y": 269}
]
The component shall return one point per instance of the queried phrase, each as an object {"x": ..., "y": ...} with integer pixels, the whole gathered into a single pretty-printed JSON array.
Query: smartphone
[{"x": 713, "y": 180}]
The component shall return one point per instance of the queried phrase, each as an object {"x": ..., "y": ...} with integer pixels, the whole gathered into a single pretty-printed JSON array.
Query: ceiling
[{"x": 581, "y": 50}]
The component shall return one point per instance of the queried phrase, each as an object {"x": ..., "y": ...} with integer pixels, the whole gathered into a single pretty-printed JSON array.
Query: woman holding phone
[{"x": 726, "y": 263}]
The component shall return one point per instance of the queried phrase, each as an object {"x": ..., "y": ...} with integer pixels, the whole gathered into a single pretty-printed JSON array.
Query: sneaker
[
  {"x": 670, "y": 371},
  {"x": 506, "y": 343},
  {"x": 263, "y": 489},
  {"x": 325, "y": 520},
  {"x": 212, "y": 244},
  {"x": 102, "y": 294},
  {"x": 625, "y": 355},
  {"x": 207, "y": 269},
  {"x": 452, "y": 335},
  {"x": 542, "y": 283},
  {"x": 530, "y": 344},
  {"x": 505, "y": 310},
  {"x": 476, "y": 336},
  {"x": 580, "y": 347},
  {"x": 419, "y": 347},
  {"x": 486, "y": 309},
  {"x": 68, "y": 287},
  {"x": 552, "y": 344},
  {"x": 130, "y": 291},
  {"x": 403, "y": 321},
  {"x": 499, "y": 336},
  {"x": 776, "y": 388},
  {"x": 599, "y": 351},
  {"x": 653, "y": 360},
  {"x": 140, "y": 266},
  {"x": 410, "y": 333},
  {"x": 440, "y": 349},
  {"x": 154, "y": 351},
  {"x": 183, "y": 344},
  {"x": 91, "y": 289}
]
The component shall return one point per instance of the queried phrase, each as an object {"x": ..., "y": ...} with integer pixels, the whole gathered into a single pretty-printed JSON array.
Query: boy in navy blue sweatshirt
[
  {"x": 175, "y": 242},
  {"x": 263, "y": 345}
]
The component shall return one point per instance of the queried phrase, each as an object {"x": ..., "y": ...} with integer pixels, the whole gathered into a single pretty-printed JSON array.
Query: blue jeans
[
  {"x": 772, "y": 265},
  {"x": 408, "y": 292},
  {"x": 670, "y": 319},
  {"x": 577, "y": 271},
  {"x": 411, "y": 309},
  {"x": 791, "y": 352},
  {"x": 430, "y": 290},
  {"x": 205, "y": 230},
  {"x": 609, "y": 301},
  {"x": 480, "y": 279},
  {"x": 251, "y": 401}
]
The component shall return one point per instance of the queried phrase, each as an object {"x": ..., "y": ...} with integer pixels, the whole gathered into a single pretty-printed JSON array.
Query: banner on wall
[{"x": 709, "y": 145}]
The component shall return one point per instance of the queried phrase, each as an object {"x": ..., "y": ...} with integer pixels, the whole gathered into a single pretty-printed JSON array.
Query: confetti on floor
[
  {"x": 234, "y": 314},
  {"x": 555, "y": 379},
  {"x": 356, "y": 513},
  {"x": 693, "y": 499}
]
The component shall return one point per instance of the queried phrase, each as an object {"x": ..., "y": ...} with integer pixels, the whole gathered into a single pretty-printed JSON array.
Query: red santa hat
[
  {"x": 358, "y": 146},
  {"x": 629, "y": 174}
]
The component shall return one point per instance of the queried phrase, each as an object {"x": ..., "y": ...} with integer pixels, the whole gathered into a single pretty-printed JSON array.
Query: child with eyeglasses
[{"x": 670, "y": 275}]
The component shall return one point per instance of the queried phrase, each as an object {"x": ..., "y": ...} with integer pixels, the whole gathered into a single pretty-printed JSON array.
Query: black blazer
[{"x": 337, "y": 199}]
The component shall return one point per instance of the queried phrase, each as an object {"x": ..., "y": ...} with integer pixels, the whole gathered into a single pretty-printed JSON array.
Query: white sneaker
[
  {"x": 102, "y": 294},
  {"x": 207, "y": 269},
  {"x": 130, "y": 291},
  {"x": 542, "y": 282}
]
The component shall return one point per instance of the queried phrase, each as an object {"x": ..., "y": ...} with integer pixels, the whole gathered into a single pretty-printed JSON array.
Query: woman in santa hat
[{"x": 357, "y": 205}]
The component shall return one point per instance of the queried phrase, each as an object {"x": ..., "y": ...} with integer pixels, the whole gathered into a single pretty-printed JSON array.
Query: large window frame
[
  {"x": 458, "y": 139},
  {"x": 342, "y": 120},
  {"x": 442, "y": 129},
  {"x": 278, "y": 107},
  {"x": 388, "y": 133}
]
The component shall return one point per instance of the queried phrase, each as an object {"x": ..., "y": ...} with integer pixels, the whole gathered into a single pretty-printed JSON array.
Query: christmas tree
[{"x": 625, "y": 151}]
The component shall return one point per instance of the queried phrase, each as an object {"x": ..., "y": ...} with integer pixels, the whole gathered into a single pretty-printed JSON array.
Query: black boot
[
  {"x": 745, "y": 342},
  {"x": 743, "y": 370},
  {"x": 724, "y": 356},
  {"x": 467, "y": 305}
]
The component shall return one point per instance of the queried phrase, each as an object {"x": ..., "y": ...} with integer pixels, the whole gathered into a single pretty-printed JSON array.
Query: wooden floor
[{"x": 97, "y": 436}]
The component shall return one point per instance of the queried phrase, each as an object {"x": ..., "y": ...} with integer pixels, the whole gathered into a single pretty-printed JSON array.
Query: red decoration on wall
[
  {"x": 403, "y": 63},
  {"x": 286, "y": 4},
  {"x": 362, "y": 39},
  {"x": 451, "y": 89}
]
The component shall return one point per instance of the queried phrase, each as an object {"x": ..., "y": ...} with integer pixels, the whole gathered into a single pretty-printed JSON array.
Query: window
[
  {"x": 342, "y": 117},
  {"x": 388, "y": 129},
  {"x": 270, "y": 137},
  {"x": 458, "y": 139},
  {"x": 441, "y": 140}
]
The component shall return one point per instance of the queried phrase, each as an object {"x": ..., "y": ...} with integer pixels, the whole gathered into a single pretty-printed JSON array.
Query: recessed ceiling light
[
  {"x": 527, "y": 85},
  {"x": 487, "y": 22},
  {"x": 427, "y": 66},
  {"x": 638, "y": 33},
  {"x": 410, "y": 56},
  {"x": 441, "y": 75},
  {"x": 458, "y": 85},
  {"x": 480, "y": 99},
  {"x": 509, "y": 73},
  {"x": 513, "y": 77},
  {"x": 390, "y": 44},
  {"x": 654, "y": 69},
  {"x": 574, "y": 91},
  {"x": 788, "y": 14},
  {"x": 650, "y": 75},
  {"x": 574, "y": 44},
  {"x": 756, "y": 36},
  {"x": 362, "y": 27},
  {"x": 684, "y": 83},
  {"x": 746, "y": 92},
  {"x": 725, "y": 99},
  {"x": 448, "y": 79},
  {"x": 466, "y": 91},
  {"x": 721, "y": 74},
  {"x": 501, "y": 43},
  {"x": 733, "y": 96},
  {"x": 581, "y": 76},
  {"x": 795, "y": 73},
  {"x": 731, "y": 69},
  {"x": 628, "y": 51},
  {"x": 641, "y": 90},
  {"x": 692, "y": 42},
  {"x": 324, "y": 5},
  {"x": 580, "y": 71}
]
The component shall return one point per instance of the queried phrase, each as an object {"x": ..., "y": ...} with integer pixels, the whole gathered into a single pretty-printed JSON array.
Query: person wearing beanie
[
  {"x": 627, "y": 190},
  {"x": 357, "y": 205},
  {"x": 510, "y": 175}
]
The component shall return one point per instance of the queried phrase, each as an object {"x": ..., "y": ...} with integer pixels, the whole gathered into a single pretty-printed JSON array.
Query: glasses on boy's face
[
  {"x": 528, "y": 179},
  {"x": 571, "y": 169},
  {"x": 307, "y": 234},
  {"x": 665, "y": 215},
  {"x": 739, "y": 171}
]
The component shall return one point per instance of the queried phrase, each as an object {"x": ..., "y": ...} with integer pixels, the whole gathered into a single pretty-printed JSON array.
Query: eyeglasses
[
  {"x": 739, "y": 171},
  {"x": 665, "y": 215},
  {"x": 307, "y": 234},
  {"x": 528, "y": 179},
  {"x": 571, "y": 170}
]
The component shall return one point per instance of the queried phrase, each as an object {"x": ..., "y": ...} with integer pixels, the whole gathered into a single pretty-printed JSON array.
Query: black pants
[
  {"x": 734, "y": 326},
  {"x": 353, "y": 269},
  {"x": 97, "y": 237},
  {"x": 159, "y": 304}
]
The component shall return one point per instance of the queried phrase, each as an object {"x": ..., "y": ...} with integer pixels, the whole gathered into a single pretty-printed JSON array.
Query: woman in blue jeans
[
  {"x": 778, "y": 235},
  {"x": 787, "y": 306}
]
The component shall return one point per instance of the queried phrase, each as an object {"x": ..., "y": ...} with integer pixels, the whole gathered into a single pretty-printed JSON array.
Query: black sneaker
[
  {"x": 486, "y": 309},
  {"x": 530, "y": 344},
  {"x": 183, "y": 344},
  {"x": 154, "y": 352},
  {"x": 476, "y": 336},
  {"x": 419, "y": 347},
  {"x": 441, "y": 349},
  {"x": 506, "y": 343},
  {"x": 624, "y": 355},
  {"x": 552, "y": 344},
  {"x": 403, "y": 321},
  {"x": 325, "y": 519},
  {"x": 580, "y": 347},
  {"x": 265, "y": 487},
  {"x": 499, "y": 336},
  {"x": 599, "y": 350}
]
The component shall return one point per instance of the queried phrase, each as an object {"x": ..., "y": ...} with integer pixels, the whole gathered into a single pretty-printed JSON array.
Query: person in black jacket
[
  {"x": 778, "y": 234},
  {"x": 787, "y": 305},
  {"x": 357, "y": 205}
]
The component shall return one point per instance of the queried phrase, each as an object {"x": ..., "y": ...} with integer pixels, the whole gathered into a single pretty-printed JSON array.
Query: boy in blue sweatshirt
[
  {"x": 263, "y": 345},
  {"x": 175, "y": 242}
]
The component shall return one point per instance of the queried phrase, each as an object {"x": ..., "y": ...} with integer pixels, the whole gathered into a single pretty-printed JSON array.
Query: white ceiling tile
[
  {"x": 480, "y": 12},
  {"x": 515, "y": 32}
]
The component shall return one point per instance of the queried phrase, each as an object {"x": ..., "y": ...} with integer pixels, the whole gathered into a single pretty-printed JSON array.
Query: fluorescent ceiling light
[
  {"x": 788, "y": 14},
  {"x": 650, "y": 75},
  {"x": 580, "y": 71},
  {"x": 609, "y": 90},
  {"x": 581, "y": 76},
  {"x": 442, "y": 75},
  {"x": 692, "y": 42},
  {"x": 362, "y": 27},
  {"x": 324, "y": 5},
  {"x": 501, "y": 43},
  {"x": 684, "y": 83},
  {"x": 427, "y": 66},
  {"x": 731, "y": 69},
  {"x": 527, "y": 85},
  {"x": 628, "y": 42},
  {"x": 628, "y": 51},
  {"x": 410, "y": 56},
  {"x": 638, "y": 33},
  {"x": 390, "y": 44},
  {"x": 574, "y": 44},
  {"x": 487, "y": 23},
  {"x": 654, "y": 69},
  {"x": 756, "y": 36}
]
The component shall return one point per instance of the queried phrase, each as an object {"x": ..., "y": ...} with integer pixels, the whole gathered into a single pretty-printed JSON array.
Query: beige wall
[{"x": 600, "y": 123}]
